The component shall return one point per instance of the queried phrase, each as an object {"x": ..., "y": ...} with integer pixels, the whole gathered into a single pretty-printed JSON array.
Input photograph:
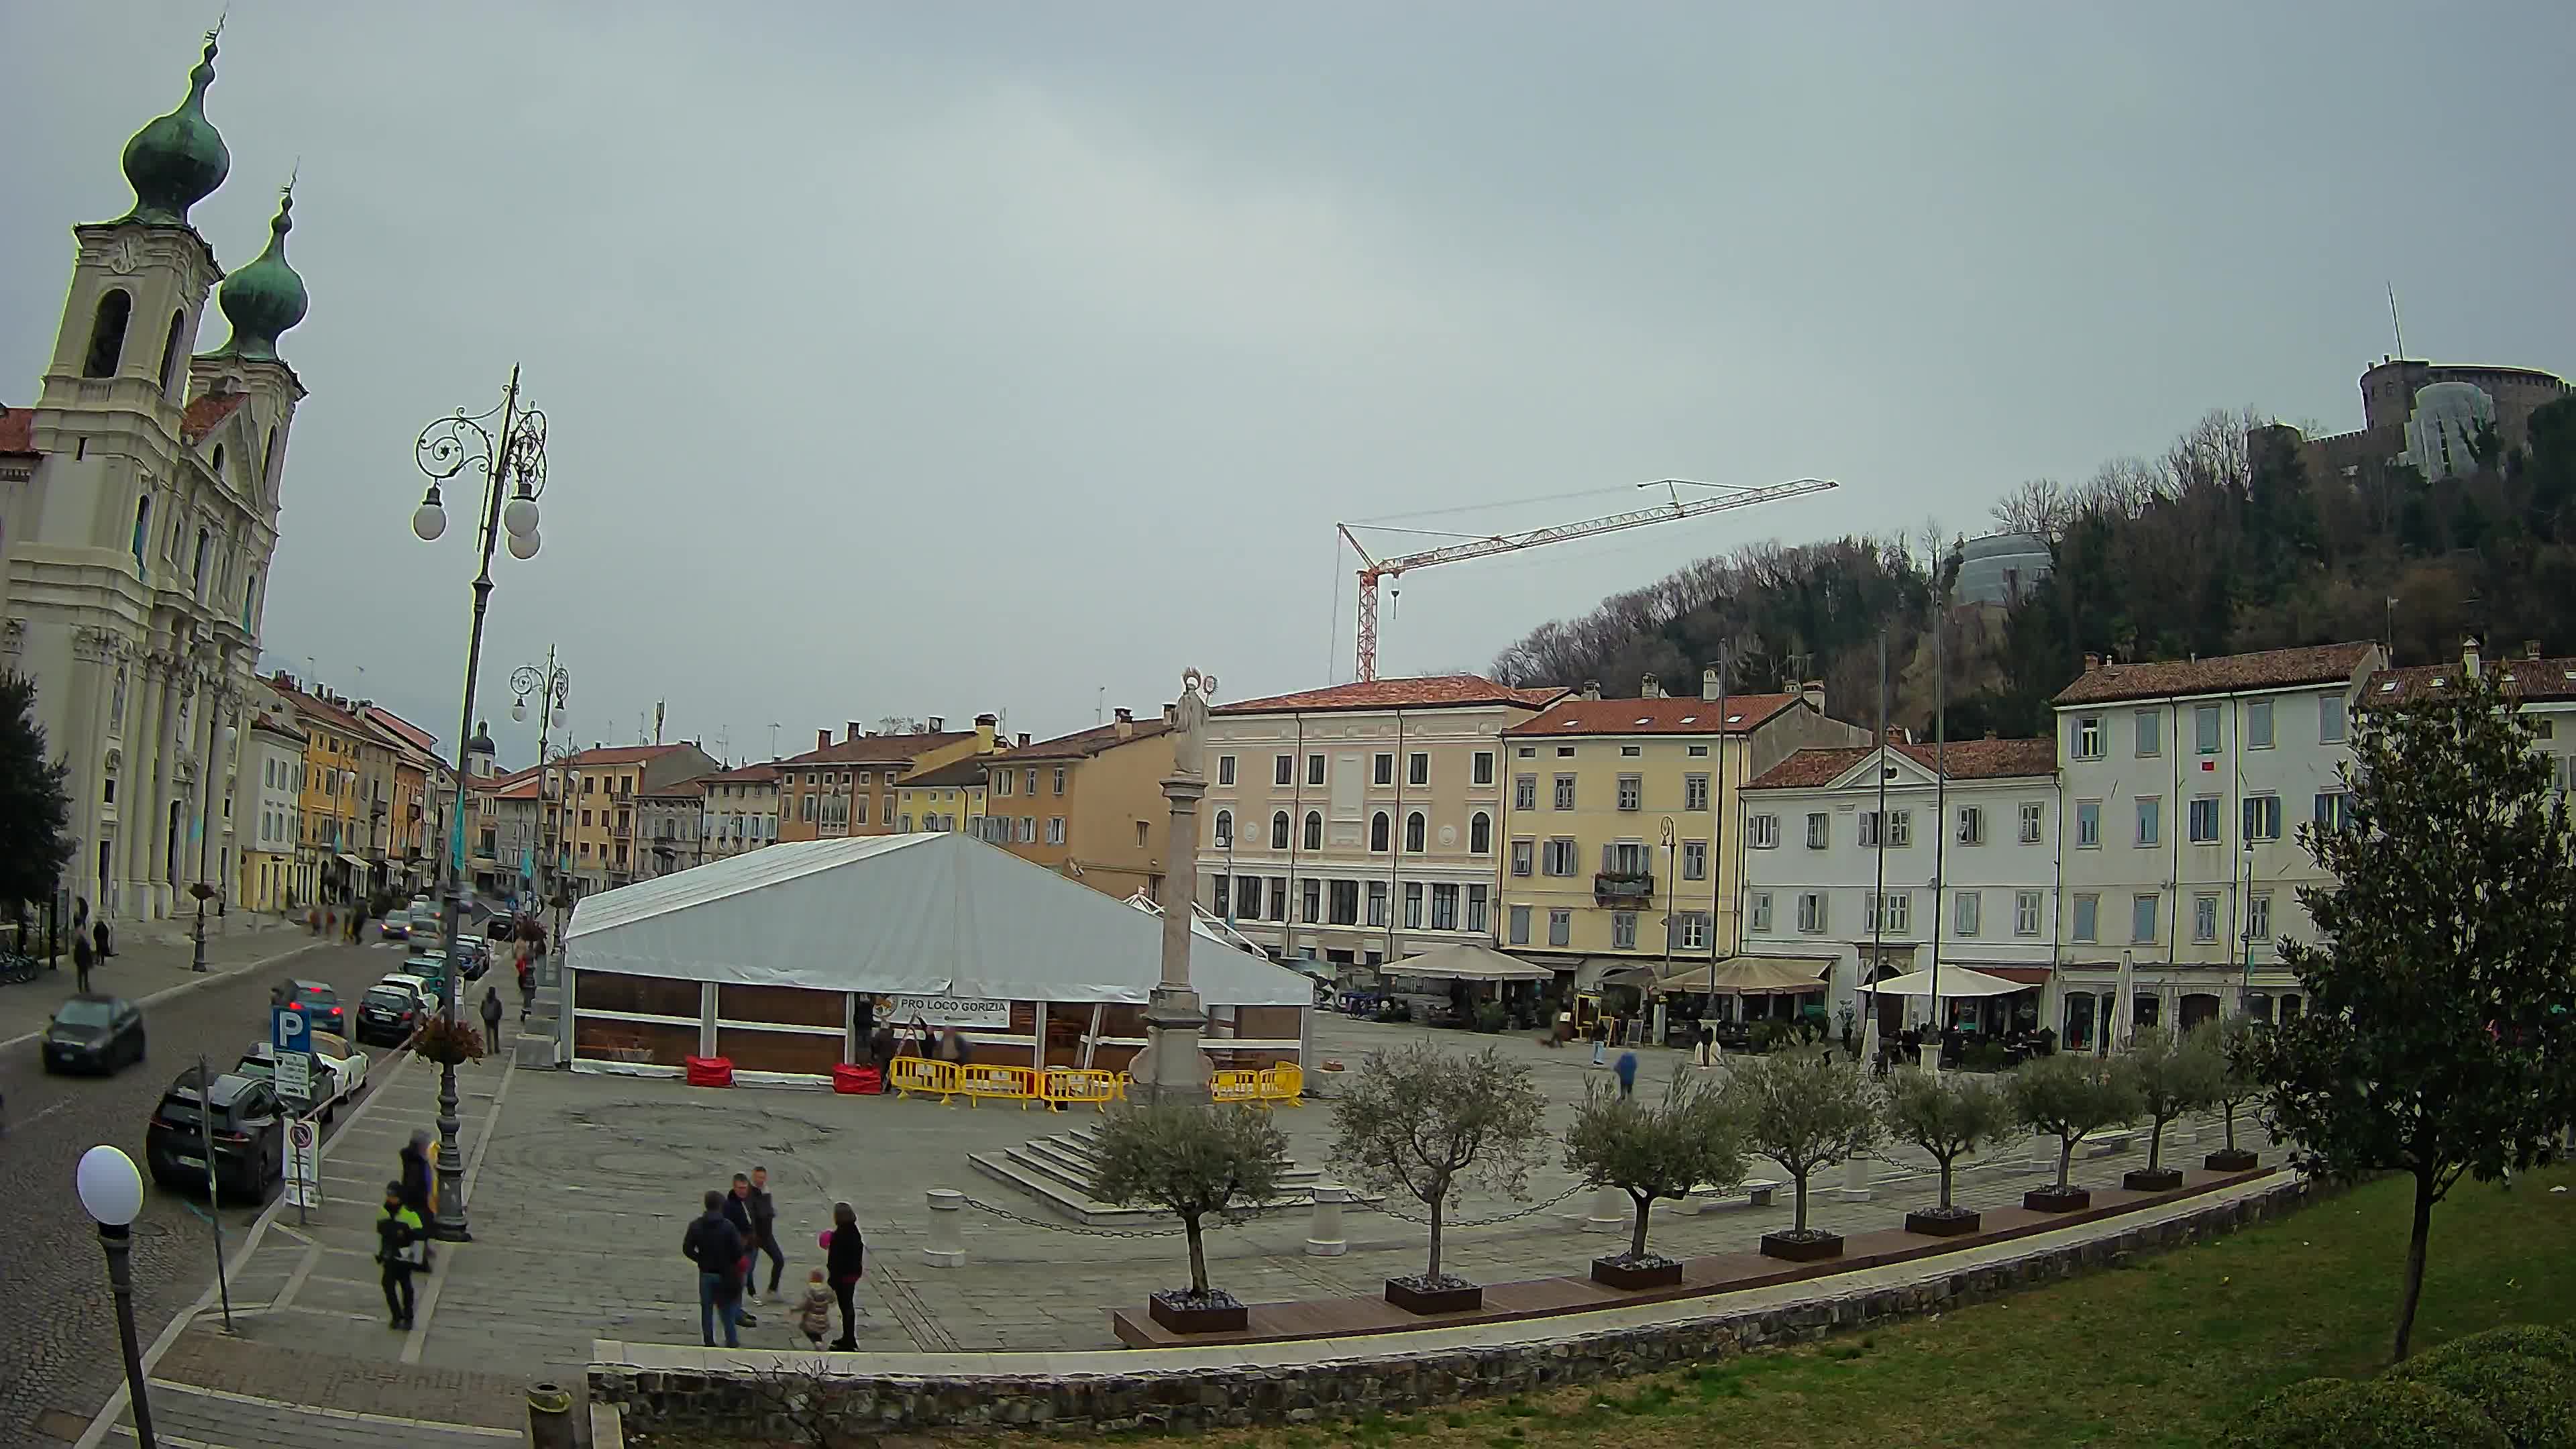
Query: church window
[
  {"x": 205, "y": 542},
  {"x": 219, "y": 462},
  {"x": 107, "y": 333},
  {"x": 142, "y": 527},
  {"x": 170, "y": 353}
]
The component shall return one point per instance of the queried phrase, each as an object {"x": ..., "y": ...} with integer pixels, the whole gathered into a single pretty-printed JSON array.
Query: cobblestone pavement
[
  {"x": 580, "y": 1198},
  {"x": 59, "y": 1355}
]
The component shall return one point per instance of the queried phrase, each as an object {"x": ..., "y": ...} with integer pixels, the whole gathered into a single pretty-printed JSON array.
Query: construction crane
[{"x": 1374, "y": 570}]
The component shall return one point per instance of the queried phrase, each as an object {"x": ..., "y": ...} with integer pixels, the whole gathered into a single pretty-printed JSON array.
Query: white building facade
[
  {"x": 1961, "y": 868},
  {"x": 269, "y": 815},
  {"x": 1360, "y": 824},
  {"x": 2184, "y": 784},
  {"x": 138, "y": 513},
  {"x": 741, "y": 811}
]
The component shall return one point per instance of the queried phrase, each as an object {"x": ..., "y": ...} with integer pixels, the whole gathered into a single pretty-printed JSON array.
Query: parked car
[
  {"x": 390, "y": 1011},
  {"x": 476, "y": 953},
  {"x": 424, "y": 990},
  {"x": 319, "y": 1003},
  {"x": 94, "y": 1032},
  {"x": 339, "y": 1070},
  {"x": 248, "y": 1131}
]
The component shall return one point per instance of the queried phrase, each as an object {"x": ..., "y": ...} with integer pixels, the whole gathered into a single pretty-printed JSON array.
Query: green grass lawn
[{"x": 2166, "y": 1352}]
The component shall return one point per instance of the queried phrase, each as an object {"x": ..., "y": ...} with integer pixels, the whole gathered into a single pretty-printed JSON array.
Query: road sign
[
  {"x": 295, "y": 1077},
  {"x": 289, "y": 1030},
  {"x": 303, "y": 1151}
]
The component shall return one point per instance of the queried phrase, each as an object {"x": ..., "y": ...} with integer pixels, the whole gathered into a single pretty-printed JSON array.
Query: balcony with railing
[{"x": 1623, "y": 885}]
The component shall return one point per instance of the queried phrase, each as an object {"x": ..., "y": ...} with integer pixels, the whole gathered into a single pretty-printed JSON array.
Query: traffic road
[{"x": 58, "y": 1348}]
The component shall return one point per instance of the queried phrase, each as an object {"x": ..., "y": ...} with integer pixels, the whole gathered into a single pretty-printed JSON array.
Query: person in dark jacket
[
  {"x": 402, "y": 1242},
  {"x": 82, "y": 957},
  {"x": 491, "y": 1018},
  {"x": 845, "y": 1261},
  {"x": 764, "y": 1223},
  {"x": 715, "y": 1245},
  {"x": 1627, "y": 1070},
  {"x": 737, "y": 1211},
  {"x": 98, "y": 939}
]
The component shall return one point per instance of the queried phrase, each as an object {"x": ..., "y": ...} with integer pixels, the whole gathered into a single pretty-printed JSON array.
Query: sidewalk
[{"x": 148, "y": 966}]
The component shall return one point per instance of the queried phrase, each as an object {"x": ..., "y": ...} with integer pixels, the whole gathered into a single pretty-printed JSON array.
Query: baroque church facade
[{"x": 139, "y": 498}]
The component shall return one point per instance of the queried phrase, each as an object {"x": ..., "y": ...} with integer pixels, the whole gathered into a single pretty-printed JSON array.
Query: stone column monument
[{"x": 1171, "y": 1070}]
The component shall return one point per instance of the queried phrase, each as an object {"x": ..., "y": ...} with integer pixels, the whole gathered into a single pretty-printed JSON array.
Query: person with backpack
[
  {"x": 402, "y": 1247},
  {"x": 715, "y": 1245}
]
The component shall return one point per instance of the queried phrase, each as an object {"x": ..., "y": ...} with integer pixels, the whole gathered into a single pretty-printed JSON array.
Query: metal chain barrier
[
  {"x": 1445, "y": 1224},
  {"x": 1029, "y": 1222}
]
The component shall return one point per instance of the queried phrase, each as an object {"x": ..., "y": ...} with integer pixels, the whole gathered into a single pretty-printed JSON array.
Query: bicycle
[{"x": 17, "y": 970}]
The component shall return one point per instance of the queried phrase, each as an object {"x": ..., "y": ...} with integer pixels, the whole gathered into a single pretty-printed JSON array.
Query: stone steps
[{"x": 1059, "y": 1171}]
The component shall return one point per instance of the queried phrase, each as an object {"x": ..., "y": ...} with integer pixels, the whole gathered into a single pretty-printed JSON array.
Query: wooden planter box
[
  {"x": 1801, "y": 1250},
  {"x": 2056, "y": 1200},
  {"x": 2151, "y": 1179},
  {"x": 1935, "y": 1224},
  {"x": 1183, "y": 1314},
  {"x": 1410, "y": 1296},
  {"x": 1651, "y": 1273},
  {"x": 2231, "y": 1160}
]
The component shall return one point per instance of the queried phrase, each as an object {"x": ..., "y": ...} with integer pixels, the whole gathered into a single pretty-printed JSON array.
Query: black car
[
  {"x": 320, "y": 1005},
  {"x": 387, "y": 1015},
  {"x": 249, "y": 1136},
  {"x": 94, "y": 1033}
]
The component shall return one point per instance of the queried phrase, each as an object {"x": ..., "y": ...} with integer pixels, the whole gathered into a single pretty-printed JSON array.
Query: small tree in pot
[
  {"x": 1948, "y": 1115},
  {"x": 2235, "y": 1043},
  {"x": 1658, "y": 1150},
  {"x": 1194, "y": 1163},
  {"x": 2168, "y": 1075},
  {"x": 1805, "y": 1111},
  {"x": 1427, "y": 1122},
  {"x": 2071, "y": 1098}
]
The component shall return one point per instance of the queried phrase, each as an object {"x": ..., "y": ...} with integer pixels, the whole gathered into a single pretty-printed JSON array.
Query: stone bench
[
  {"x": 2105, "y": 1144},
  {"x": 1758, "y": 1192}
]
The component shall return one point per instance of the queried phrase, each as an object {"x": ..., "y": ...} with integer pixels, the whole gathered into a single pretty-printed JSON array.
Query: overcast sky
[{"x": 930, "y": 359}]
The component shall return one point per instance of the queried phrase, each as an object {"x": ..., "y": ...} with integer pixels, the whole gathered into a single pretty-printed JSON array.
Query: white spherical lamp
[
  {"x": 429, "y": 520},
  {"x": 111, "y": 1191},
  {"x": 518, "y": 709},
  {"x": 520, "y": 515},
  {"x": 523, "y": 545}
]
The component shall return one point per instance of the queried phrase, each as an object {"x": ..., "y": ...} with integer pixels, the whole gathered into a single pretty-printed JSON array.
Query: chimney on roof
[
  {"x": 2092, "y": 663},
  {"x": 1126, "y": 724},
  {"x": 2530, "y": 648},
  {"x": 822, "y": 739},
  {"x": 1990, "y": 734},
  {"x": 1024, "y": 739},
  {"x": 1813, "y": 692},
  {"x": 1709, "y": 688},
  {"x": 2469, "y": 655},
  {"x": 851, "y": 730},
  {"x": 1592, "y": 689},
  {"x": 1649, "y": 687},
  {"x": 938, "y": 724}
]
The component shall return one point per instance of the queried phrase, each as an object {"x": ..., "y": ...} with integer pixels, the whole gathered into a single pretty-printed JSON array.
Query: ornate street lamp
[
  {"x": 111, "y": 1192},
  {"x": 552, "y": 688},
  {"x": 513, "y": 465}
]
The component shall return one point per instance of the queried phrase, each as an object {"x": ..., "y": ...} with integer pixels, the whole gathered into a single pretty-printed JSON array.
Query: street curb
[{"x": 193, "y": 982}]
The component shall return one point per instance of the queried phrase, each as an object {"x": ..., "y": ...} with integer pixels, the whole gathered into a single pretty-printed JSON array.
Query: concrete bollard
[
  {"x": 549, "y": 1417},
  {"x": 1855, "y": 1186},
  {"x": 1324, "y": 1233},
  {"x": 1611, "y": 1211},
  {"x": 947, "y": 1246}
]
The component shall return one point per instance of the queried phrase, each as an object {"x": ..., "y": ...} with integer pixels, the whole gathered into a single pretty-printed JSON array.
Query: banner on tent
[{"x": 947, "y": 1011}]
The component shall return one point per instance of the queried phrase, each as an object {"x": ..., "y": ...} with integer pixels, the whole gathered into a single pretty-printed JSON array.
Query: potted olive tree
[
  {"x": 1194, "y": 1163},
  {"x": 1949, "y": 1115},
  {"x": 1653, "y": 1150},
  {"x": 2070, "y": 1097},
  {"x": 2235, "y": 1043},
  {"x": 2168, "y": 1075},
  {"x": 1806, "y": 1111},
  {"x": 1427, "y": 1122}
]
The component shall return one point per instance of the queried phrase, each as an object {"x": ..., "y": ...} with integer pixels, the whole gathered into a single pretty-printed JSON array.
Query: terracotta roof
[
  {"x": 764, "y": 773},
  {"x": 676, "y": 789},
  {"x": 1083, "y": 744},
  {"x": 2270, "y": 669},
  {"x": 418, "y": 737},
  {"x": 17, "y": 430},
  {"x": 207, "y": 412},
  {"x": 876, "y": 749},
  {"x": 621, "y": 754},
  {"x": 968, "y": 771},
  {"x": 1427, "y": 692},
  {"x": 324, "y": 710},
  {"x": 1963, "y": 759},
  {"x": 276, "y": 726},
  {"x": 523, "y": 788},
  {"x": 1694, "y": 716},
  {"x": 2550, "y": 679}
]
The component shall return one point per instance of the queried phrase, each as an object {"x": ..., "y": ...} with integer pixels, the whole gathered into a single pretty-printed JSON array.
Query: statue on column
[{"x": 1189, "y": 722}]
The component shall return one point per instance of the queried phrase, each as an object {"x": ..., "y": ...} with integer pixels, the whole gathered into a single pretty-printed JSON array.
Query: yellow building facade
[
  {"x": 1088, "y": 805},
  {"x": 1617, "y": 822},
  {"x": 853, "y": 787},
  {"x": 947, "y": 797}
]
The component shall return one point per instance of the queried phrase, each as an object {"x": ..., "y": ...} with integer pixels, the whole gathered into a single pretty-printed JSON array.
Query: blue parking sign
[{"x": 289, "y": 1030}]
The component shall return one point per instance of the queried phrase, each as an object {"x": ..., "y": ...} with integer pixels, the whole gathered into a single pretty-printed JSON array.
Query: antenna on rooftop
[{"x": 2394, "y": 325}]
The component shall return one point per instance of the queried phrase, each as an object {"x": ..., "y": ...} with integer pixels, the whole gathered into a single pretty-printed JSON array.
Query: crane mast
[{"x": 1374, "y": 571}]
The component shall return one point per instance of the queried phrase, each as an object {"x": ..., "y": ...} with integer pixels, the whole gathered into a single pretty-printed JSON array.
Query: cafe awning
[
  {"x": 1955, "y": 981},
  {"x": 1734, "y": 976},
  {"x": 352, "y": 861},
  {"x": 1468, "y": 961}
]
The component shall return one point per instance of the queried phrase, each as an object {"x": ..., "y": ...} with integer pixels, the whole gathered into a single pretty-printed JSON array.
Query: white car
[
  {"x": 346, "y": 1068},
  {"x": 419, "y": 987}
]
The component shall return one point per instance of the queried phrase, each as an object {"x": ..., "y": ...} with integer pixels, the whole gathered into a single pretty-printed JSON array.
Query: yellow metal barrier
[
  {"x": 921, "y": 1076},
  {"x": 1064, "y": 1086},
  {"x": 1284, "y": 1082},
  {"x": 1234, "y": 1086},
  {"x": 979, "y": 1080}
]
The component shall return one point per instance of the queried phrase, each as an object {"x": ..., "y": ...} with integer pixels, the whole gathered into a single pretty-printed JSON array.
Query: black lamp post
[
  {"x": 513, "y": 466},
  {"x": 111, "y": 1192}
]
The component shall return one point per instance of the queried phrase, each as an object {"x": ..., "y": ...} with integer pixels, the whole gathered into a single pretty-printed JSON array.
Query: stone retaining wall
[{"x": 1396, "y": 1381}]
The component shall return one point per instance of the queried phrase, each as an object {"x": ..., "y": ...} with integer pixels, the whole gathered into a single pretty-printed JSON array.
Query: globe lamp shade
[
  {"x": 523, "y": 545},
  {"x": 520, "y": 516},
  {"x": 111, "y": 1191},
  {"x": 429, "y": 520},
  {"x": 518, "y": 709}
]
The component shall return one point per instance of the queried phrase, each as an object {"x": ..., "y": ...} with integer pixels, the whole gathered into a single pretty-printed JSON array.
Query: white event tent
[{"x": 778, "y": 957}]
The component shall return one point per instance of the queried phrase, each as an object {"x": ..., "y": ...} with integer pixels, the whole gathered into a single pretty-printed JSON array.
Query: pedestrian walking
[
  {"x": 1707, "y": 1045},
  {"x": 491, "y": 1018},
  {"x": 814, "y": 1310},
  {"x": 881, "y": 1050},
  {"x": 1627, "y": 1070},
  {"x": 402, "y": 1247},
  {"x": 82, "y": 956},
  {"x": 764, "y": 1223},
  {"x": 418, "y": 1184},
  {"x": 715, "y": 1245},
  {"x": 527, "y": 983},
  {"x": 99, "y": 939},
  {"x": 737, "y": 1211},
  {"x": 953, "y": 1048},
  {"x": 1600, "y": 1042},
  {"x": 845, "y": 1261}
]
